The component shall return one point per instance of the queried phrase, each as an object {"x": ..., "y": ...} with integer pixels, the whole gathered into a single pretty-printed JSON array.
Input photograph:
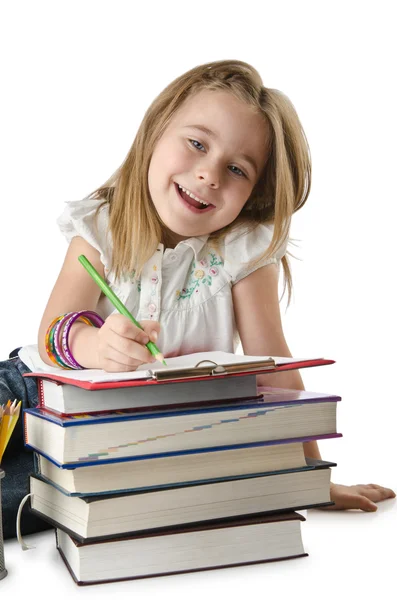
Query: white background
[{"x": 76, "y": 79}]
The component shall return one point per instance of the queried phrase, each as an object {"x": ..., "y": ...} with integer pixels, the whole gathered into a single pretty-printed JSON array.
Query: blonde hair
[{"x": 281, "y": 190}]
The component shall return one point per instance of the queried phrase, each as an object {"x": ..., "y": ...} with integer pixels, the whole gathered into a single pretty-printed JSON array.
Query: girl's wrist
[{"x": 83, "y": 343}]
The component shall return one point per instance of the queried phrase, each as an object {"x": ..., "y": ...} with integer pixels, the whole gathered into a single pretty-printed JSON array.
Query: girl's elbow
[{"x": 42, "y": 349}]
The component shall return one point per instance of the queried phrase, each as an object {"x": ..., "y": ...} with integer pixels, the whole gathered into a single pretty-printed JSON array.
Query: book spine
[
  {"x": 40, "y": 392},
  {"x": 37, "y": 462},
  {"x": 25, "y": 429}
]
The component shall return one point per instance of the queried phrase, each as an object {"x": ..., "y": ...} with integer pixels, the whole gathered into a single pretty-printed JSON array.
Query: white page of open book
[{"x": 30, "y": 356}]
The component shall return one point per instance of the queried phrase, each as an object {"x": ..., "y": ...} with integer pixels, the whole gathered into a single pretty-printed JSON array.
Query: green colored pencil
[{"x": 151, "y": 346}]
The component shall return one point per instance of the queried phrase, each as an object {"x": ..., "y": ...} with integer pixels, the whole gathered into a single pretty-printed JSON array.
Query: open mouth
[{"x": 192, "y": 201}]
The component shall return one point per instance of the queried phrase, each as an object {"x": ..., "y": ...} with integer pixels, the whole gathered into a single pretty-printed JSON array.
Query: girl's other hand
[
  {"x": 362, "y": 497},
  {"x": 122, "y": 345}
]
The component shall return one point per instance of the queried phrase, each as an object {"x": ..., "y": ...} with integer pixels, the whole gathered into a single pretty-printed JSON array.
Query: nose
[{"x": 209, "y": 174}]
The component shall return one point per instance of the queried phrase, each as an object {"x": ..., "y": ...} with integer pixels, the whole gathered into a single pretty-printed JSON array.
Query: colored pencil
[
  {"x": 10, "y": 415},
  {"x": 151, "y": 346}
]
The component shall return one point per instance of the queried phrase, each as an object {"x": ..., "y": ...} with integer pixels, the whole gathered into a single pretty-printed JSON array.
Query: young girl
[{"x": 190, "y": 233}]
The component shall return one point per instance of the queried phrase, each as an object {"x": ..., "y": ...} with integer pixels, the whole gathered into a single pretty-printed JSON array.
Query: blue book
[
  {"x": 277, "y": 416},
  {"x": 189, "y": 468},
  {"x": 101, "y": 517}
]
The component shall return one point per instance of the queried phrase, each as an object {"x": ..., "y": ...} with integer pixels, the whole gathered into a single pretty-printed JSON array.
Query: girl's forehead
[
  {"x": 211, "y": 102},
  {"x": 223, "y": 117}
]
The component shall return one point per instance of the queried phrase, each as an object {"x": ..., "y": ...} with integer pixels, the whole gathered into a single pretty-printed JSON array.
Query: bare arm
[
  {"x": 74, "y": 290},
  {"x": 118, "y": 345},
  {"x": 258, "y": 319}
]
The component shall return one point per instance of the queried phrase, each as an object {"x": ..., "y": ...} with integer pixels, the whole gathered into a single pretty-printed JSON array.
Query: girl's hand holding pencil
[{"x": 124, "y": 344}]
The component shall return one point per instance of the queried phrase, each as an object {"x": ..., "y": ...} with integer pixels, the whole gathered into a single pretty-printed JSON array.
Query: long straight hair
[{"x": 281, "y": 190}]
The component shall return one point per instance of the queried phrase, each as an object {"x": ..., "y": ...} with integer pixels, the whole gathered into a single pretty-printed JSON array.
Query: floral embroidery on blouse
[
  {"x": 130, "y": 278},
  {"x": 200, "y": 274}
]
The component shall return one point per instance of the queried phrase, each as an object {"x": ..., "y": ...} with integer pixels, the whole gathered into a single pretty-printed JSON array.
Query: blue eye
[
  {"x": 196, "y": 144},
  {"x": 233, "y": 169},
  {"x": 237, "y": 171}
]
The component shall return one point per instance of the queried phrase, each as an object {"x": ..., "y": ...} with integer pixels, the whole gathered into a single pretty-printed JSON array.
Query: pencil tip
[{"x": 160, "y": 358}]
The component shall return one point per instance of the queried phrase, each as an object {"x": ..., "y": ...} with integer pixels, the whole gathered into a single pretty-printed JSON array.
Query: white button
[
  {"x": 172, "y": 257},
  {"x": 152, "y": 307}
]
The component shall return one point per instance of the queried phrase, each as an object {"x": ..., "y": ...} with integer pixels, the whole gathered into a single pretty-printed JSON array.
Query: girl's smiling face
[{"x": 206, "y": 163}]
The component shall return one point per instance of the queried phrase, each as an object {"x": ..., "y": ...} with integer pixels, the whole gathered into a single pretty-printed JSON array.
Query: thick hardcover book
[
  {"x": 73, "y": 399},
  {"x": 232, "y": 543},
  {"x": 101, "y": 517},
  {"x": 182, "y": 469},
  {"x": 279, "y": 415}
]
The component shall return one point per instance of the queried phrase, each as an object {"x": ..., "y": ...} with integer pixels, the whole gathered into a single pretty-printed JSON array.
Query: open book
[{"x": 196, "y": 365}]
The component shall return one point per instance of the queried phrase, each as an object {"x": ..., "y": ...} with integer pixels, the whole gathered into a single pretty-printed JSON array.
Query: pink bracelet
[
  {"x": 56, "y": 338},
  {"x": 63, "y": 360},
  {"x": 50, "y": 344},
  {"x": 94, "y": 319}
]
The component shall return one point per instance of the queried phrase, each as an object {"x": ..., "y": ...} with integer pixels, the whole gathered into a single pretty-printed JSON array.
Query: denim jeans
[
  {"x": 14, "y": 385},
  {"x": 17, "y": 460}
]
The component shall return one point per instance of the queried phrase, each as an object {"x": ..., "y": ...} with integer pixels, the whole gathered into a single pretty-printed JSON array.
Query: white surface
[
  {"x": 77, "y": 78},
  {"x": 349, "y": 553}
]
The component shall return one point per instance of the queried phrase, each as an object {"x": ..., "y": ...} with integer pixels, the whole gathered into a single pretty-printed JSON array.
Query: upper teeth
[{"x": 192, "y": 195}]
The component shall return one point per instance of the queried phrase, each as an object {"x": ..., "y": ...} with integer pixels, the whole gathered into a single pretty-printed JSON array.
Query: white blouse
[{"x": 187, "y": 289}]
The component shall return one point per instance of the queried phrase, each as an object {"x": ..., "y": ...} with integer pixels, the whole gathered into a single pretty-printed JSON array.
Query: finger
[
  {"x": 349, "y": 500},
  {"x": 385, "y": 492},
  {"x": 124, "y": 350},
  {"x": 152, "y": 329},
  {"x": 376, "y": 492},
  {"x": 112, "y": 360},
  {"x": 373, "y": 486},
  {"x": 125, "y": 328},
  {"x": 122, "y": 344},
  {"x": 111, "y": 366},
  {"x": 129, "y": 352},
  {"x": 126, "y": 362},
  {"x": 363, "y": 503}
]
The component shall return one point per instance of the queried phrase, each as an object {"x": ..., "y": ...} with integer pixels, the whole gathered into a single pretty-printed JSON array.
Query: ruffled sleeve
[
  {"x": 80, "y": 218},
  {"x": 243, "y": 249}
]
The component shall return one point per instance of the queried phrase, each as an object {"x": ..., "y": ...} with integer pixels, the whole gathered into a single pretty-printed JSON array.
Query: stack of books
[{"x": 182, "y": 468}]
